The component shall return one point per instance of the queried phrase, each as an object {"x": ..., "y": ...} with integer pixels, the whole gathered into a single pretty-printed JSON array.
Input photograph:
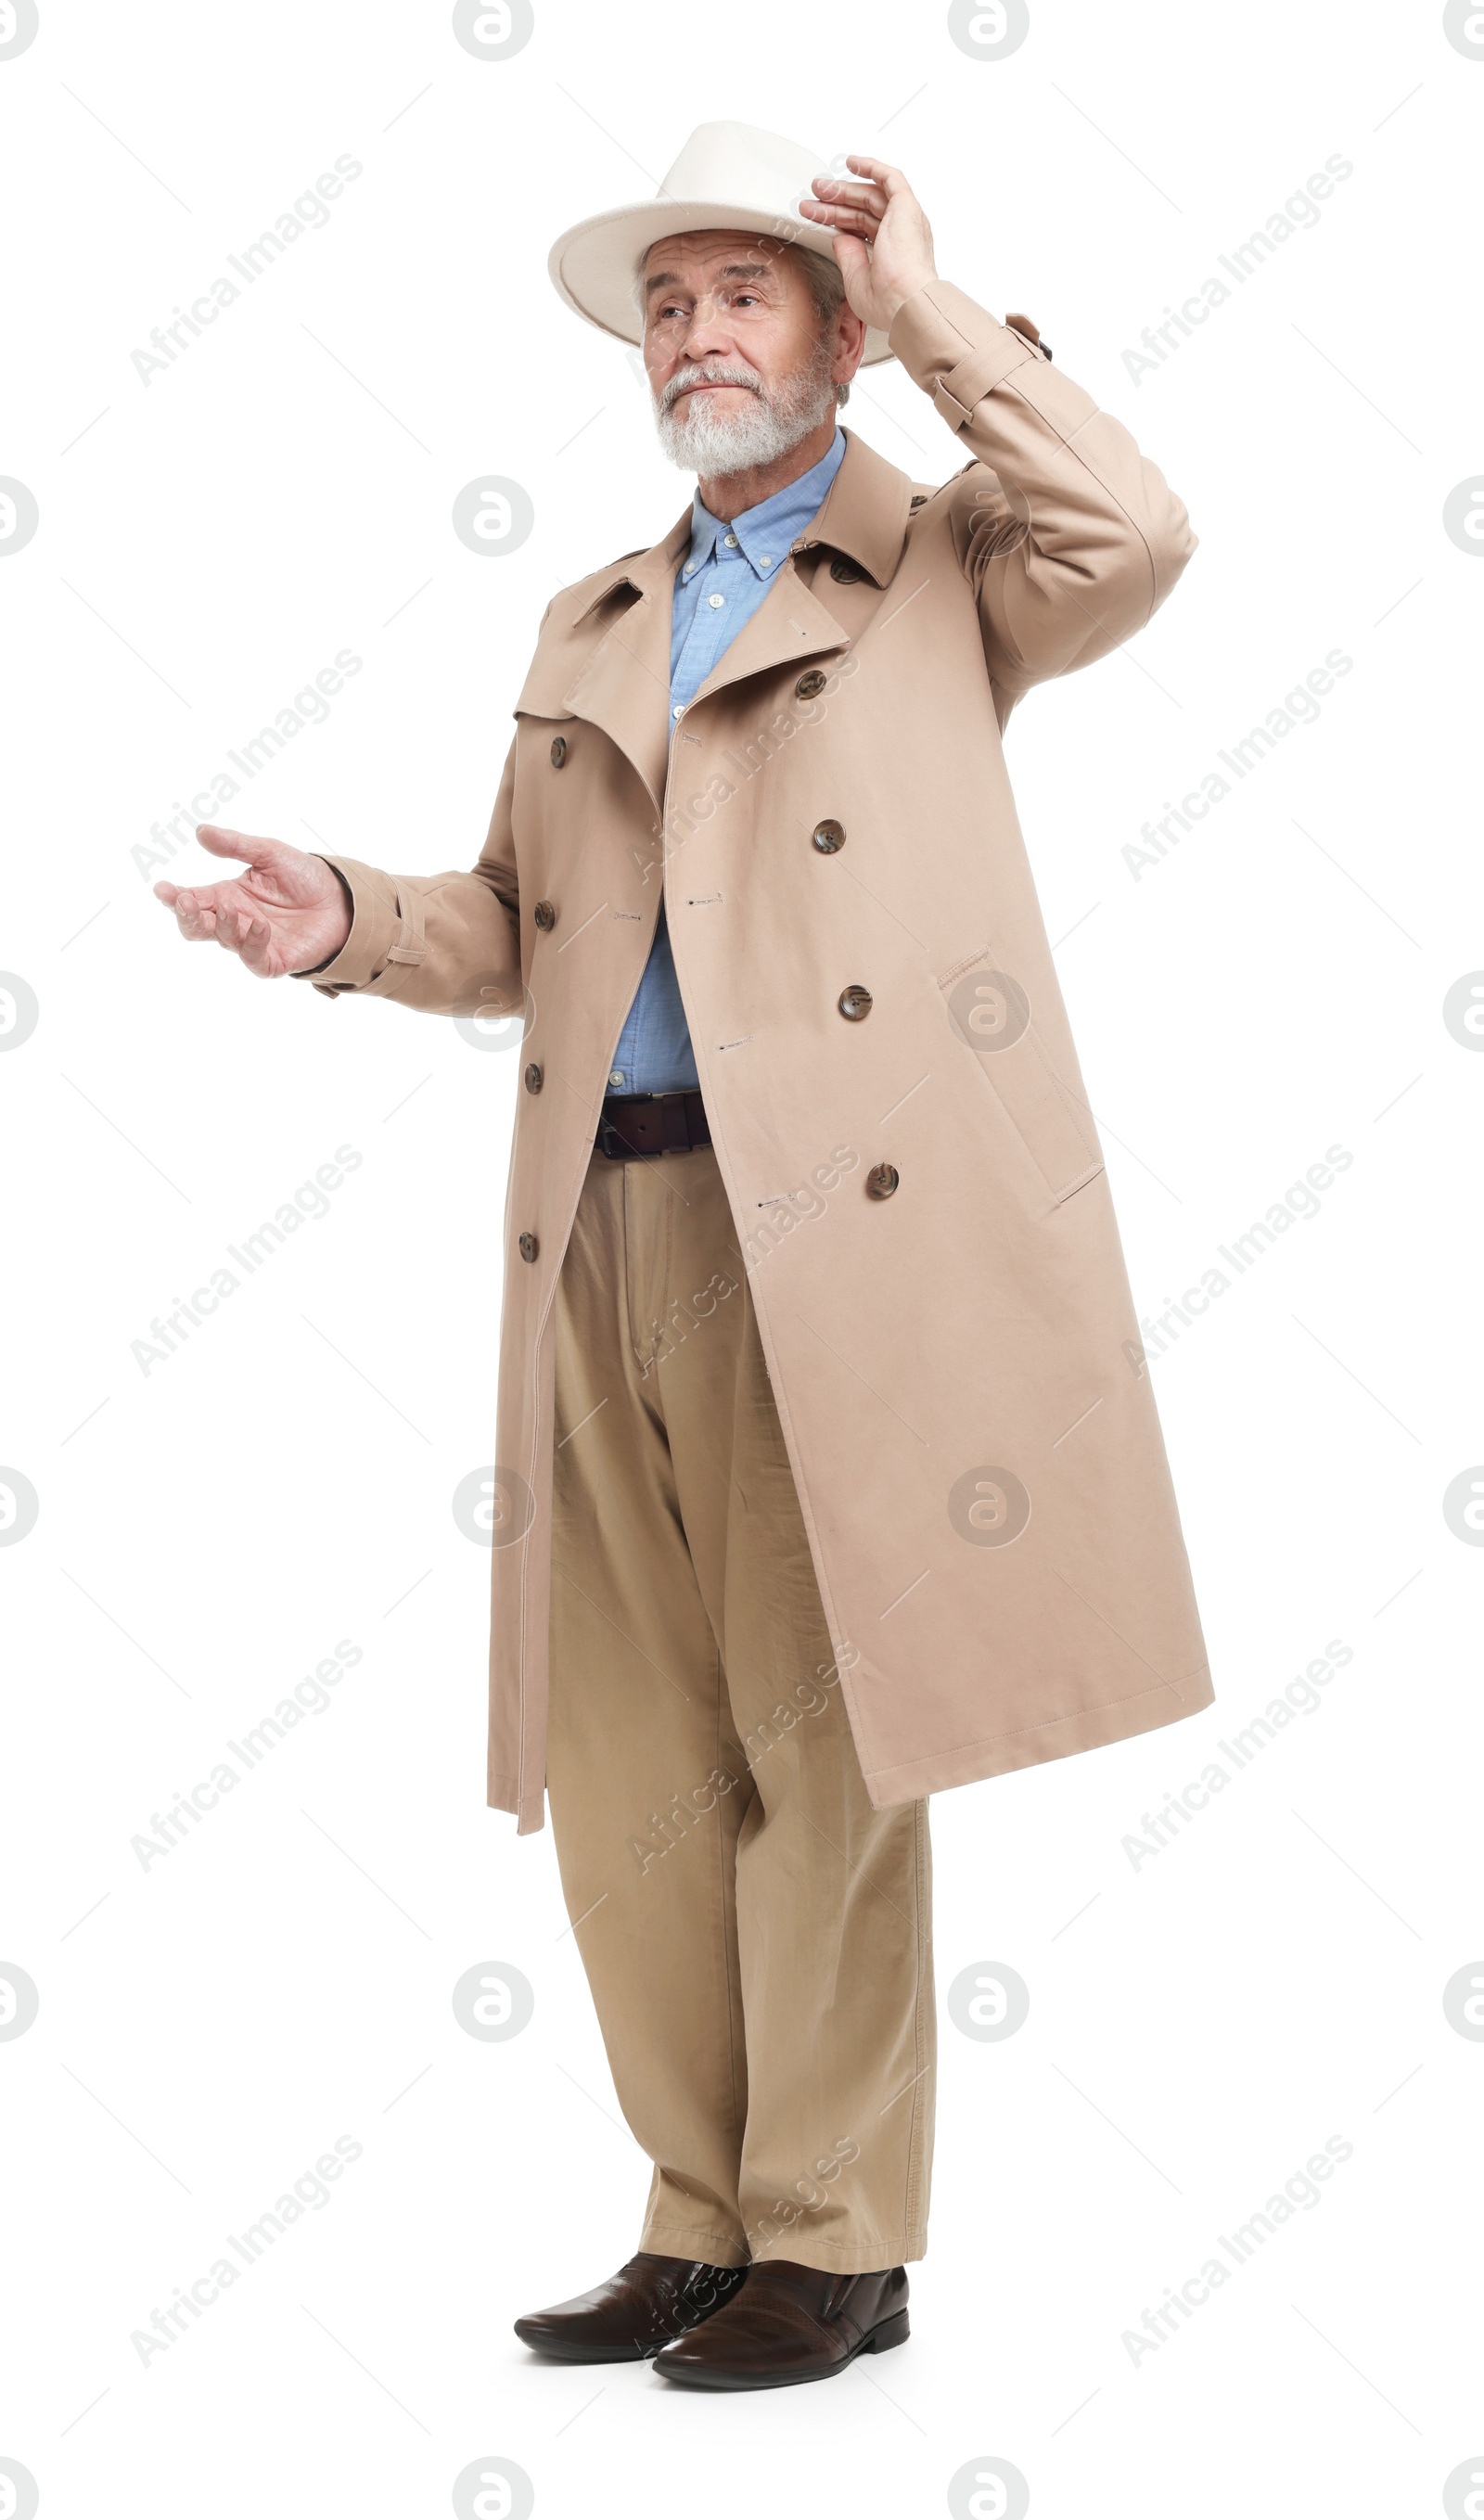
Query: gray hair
[{"x": 823, "y": 278}]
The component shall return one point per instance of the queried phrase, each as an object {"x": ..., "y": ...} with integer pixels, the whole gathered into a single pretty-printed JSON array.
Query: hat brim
[{"x": 593, "y": 265}]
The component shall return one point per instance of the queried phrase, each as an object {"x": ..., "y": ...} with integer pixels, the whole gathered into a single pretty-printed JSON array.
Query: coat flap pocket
[{"x": 990, "y": 1012}]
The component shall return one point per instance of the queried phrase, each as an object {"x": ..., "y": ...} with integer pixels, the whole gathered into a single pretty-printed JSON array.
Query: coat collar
[
  {"x": 644, "y": 571},
  {"x": 863, "y": 515},
  {"x": 865, "y": 512},
  {"x": 624, "y": 684}
]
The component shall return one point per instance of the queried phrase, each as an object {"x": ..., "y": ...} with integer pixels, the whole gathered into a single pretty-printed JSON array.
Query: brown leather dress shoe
[
  {"x": 644, "y": 2306},
  {"x": 791, "y": 2323}
]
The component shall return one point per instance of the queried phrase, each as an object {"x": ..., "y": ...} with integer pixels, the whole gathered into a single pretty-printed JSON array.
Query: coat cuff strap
[{"x": 955, "y": 350}]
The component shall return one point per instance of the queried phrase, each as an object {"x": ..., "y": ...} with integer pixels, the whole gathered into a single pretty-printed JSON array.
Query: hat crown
[{"x": 736, "y": 165}]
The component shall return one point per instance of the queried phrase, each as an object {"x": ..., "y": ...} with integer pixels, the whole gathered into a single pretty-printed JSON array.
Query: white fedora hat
[{"x": 728, "y": 175}]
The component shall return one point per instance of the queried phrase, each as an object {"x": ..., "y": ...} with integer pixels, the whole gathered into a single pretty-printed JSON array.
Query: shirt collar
[{"x": 765, "y": 532}]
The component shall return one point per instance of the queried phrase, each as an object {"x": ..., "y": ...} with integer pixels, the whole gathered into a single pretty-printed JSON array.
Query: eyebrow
[{"x": 728, "y": 271}]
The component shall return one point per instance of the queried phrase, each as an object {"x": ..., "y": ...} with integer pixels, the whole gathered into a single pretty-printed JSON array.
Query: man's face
[{"x": 738, "y": 363}]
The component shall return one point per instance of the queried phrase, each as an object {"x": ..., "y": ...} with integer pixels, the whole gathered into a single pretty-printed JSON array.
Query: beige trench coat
[{"x": 956, "y": 1362}]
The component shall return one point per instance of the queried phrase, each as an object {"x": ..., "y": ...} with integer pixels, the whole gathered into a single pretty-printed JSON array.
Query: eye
[{"x": 745, "y": 297}]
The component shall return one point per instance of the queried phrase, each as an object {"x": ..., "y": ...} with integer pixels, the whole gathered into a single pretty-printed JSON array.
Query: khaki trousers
[{"x": 756, "y": 1937}]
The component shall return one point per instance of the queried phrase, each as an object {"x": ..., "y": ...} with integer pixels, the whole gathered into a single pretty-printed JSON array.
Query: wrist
[
  {"x": 892, "y": 301},
  {"x": 348, "y": 905}
]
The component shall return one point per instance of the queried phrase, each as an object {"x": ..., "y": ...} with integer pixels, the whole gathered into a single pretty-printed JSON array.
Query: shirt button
[
  {"x": 533, "y": 1078},
  {"x": 855, "y": 1003},
  {"x": 716, "y": 602},
  {"x": 730, "y": 542},
  {"x": 765, "y": 559},
  {"x": 881, "y": 1181},
  {"x": 545, "y": 917},
  {"x": 616, "y": 1077},
  {"x": 528, "y": 1246},
  {"x": 678, "y": 713}
]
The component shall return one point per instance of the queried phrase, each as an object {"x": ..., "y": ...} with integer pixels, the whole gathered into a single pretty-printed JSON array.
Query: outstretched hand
[
  {"x": 883, "y": 241},
  {"x": 288, "y": 912}
]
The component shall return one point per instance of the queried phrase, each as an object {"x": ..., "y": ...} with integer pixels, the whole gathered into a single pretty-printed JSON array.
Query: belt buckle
[
  {"x": 671, "y": 1121},
  {"x": 614, "y": 1144}
]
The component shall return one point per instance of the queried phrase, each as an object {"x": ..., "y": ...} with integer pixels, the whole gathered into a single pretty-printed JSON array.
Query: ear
[{"x": 850, "y": 344}]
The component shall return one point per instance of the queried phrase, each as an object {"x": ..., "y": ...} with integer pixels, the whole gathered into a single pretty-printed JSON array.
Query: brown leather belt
[{"x": 651, "y": 1124}]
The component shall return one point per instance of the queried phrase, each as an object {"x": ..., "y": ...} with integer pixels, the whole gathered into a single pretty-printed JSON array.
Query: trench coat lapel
[
  {"x": 790, "y": 623},
  {"x": 624, "y": 688},
  {"x": 864, "y": 516}
]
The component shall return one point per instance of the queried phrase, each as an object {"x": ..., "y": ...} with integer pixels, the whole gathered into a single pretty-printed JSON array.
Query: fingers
[
  {"x": 243, "y": 932},
  {"x": 211, "y": 917},
  {"x": 233, "y": 925},
  {"x": 872, "y": 174},
  {"x": 200, "y": 916},
  {"x": 843, "y": 219},
  {"x": 890, "y": 178},
  {"x": 195, "y": 912},
  {"x": 852, "y": 192},
  {"x": 850, "y": 195},
  {"x": 256, "y": 948}
]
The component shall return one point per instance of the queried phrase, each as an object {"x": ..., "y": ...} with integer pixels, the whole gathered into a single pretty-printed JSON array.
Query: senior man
[{"x": 830, "y": 1471}]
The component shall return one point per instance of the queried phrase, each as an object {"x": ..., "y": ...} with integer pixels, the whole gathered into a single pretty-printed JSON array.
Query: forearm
[
  {"x": 1088, "y": 538},
  {"x": 431, "y": 943},
  {"x": 444, "y": 944}
]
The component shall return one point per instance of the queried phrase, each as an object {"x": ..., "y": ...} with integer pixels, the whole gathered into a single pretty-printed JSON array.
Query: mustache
[{"x": 712, "y": 372}]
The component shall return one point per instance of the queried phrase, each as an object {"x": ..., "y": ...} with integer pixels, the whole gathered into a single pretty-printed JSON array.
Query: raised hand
[
  {"x": 288, "y": 912},
  {"x": 883, "y": 241}
]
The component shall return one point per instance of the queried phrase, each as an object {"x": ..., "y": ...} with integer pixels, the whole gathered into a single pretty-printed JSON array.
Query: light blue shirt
[{"x": 725, "y": 576}]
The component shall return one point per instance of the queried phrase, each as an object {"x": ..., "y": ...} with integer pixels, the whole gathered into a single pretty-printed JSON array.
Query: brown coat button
[
  {"x": 529, "y": 1246},
  {"x": 845, "y": 572},
  {"x": 559, "y": 751},
  {"x": 533, "y": 1078},
  {"x": 828, "y": 836},
  {"x": 855, "y": 1002},
  {"x": 882, "y": 1180},
  {"x": 810, "y": 684},
  {"x": 545, "y": 916}
]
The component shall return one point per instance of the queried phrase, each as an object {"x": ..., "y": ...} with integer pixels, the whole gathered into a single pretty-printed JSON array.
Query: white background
[{"x": 209, "y": 1531}]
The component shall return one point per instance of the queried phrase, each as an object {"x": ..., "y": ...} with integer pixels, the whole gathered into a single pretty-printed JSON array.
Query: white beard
[{"x": 712, "y": 444}]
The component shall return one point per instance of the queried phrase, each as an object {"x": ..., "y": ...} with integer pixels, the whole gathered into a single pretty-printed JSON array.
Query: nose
[{"x": 706, "y": 333}]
